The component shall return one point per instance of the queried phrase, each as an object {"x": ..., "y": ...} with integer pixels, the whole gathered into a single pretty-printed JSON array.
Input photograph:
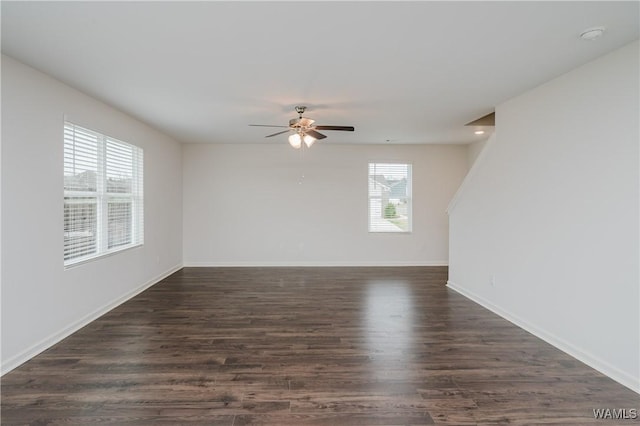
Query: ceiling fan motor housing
[{"x": 301, "y": 122}]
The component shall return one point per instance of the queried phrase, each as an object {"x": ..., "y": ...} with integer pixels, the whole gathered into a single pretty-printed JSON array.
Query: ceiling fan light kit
[
  {"x": 308, "y": 140},
  {"x": 305, "y": 129},
  {"x": 296, "y": 140}
]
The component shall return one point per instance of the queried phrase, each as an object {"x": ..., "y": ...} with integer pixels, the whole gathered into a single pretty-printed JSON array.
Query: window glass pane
[
  {"x": 389, "y": 197},
  {"x": 119, "y": 222},
  {"x": 80, "y": 159},
  {"x": 119, "y": 167},
  {"x": 80, "y": 227}
]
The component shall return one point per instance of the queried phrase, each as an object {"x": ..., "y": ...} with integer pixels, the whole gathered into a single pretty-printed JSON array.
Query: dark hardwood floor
[{"x": 296, "y": 346}]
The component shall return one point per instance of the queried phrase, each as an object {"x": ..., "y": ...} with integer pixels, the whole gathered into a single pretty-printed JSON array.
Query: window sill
[{"x": 81, "y": 261}]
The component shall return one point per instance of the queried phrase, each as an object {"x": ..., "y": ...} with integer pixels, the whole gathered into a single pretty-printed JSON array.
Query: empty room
[{"x": 329, "y": 213}]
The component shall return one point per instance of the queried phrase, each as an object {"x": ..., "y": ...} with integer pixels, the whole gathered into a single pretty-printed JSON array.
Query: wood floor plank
[{"x": 298, "y": 346}]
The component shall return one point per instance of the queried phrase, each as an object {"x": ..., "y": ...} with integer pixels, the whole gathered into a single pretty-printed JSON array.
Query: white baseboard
[
  {"x": 310, "y": 263},
  {"x": 605, "y": 368},
  {"x": 46, "y": 343}
]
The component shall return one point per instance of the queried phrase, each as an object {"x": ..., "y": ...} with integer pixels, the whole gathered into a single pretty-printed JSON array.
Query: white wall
[
  {"x": 473, "y": 151},
  {"x": 273, "y": 205},
  {"x": 550, "y": 210},
  {"x": 41, "y": 302}
]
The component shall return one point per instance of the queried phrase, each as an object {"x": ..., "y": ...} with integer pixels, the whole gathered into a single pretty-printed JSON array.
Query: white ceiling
[{"x": 408, "y": 72}]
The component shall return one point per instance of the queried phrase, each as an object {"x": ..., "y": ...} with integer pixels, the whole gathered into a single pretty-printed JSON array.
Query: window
[
  {"x": 103, "y": 202},
  {"x": 389, "y": 197}
]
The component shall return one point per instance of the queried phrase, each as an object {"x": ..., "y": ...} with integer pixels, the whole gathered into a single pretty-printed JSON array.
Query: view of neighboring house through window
[
  {"x": 389, "y": 197},
  {"x": 103, "y": 194}
]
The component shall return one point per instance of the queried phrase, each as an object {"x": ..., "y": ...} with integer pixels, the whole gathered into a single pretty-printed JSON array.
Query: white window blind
[
  {"x": 389, "y": 197},
  {"x": 103, "y": 194}
]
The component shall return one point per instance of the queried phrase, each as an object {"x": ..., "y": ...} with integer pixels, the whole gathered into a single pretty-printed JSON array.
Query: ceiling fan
[{"x": 304, "y": 129}]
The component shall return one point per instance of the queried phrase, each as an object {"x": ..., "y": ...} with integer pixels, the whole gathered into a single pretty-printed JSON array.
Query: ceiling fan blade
[
  {"x": 279, "y": 133},
  {"x": 264, "y": 125},
  {"x": 345, "y": 128},
  {"x": 315, "y": 134}
]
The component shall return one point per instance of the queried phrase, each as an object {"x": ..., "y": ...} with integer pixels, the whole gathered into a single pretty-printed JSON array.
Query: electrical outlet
[{"x": 493, "y": 280}]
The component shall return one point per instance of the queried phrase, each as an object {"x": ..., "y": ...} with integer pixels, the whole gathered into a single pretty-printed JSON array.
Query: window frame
[
  {"x": 408, "y": 198},
  {"x": 103, "y": 197}
]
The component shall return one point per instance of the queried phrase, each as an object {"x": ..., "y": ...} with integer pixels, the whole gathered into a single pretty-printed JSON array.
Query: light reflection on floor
[{"x": 389, "y": 327}]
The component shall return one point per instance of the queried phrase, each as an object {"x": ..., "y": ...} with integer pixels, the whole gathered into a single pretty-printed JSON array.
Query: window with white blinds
[
  {"x": 103, "y": 195},
  {"x": 389, "y": 197}
]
